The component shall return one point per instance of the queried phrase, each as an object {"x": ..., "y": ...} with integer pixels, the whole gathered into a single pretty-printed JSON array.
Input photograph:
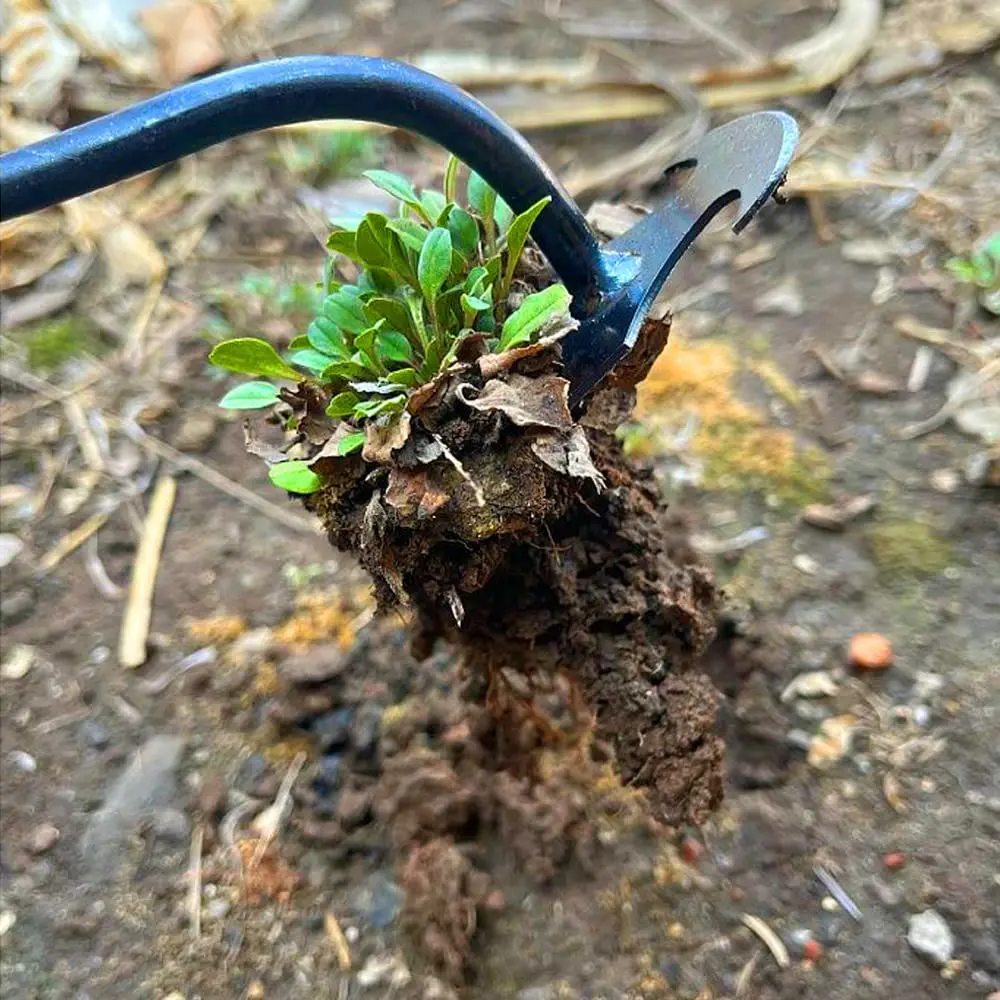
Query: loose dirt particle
[
  {"x": 812, "y": 950},
  {"x": 870, "y": 651},
  {"x": 42, "y": 838}
]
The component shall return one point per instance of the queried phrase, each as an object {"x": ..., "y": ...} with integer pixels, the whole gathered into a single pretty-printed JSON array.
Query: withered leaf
[
  {"x": 331, "y": 465},
  {"x": 635, "y": 366},
  {"x": 568, "y": 454},
  {"x": 492, "y": 364},
  {"x": 428, "y": 392},
  {"x": 528, "y": 402},
  {"x": 836, "y": 516},
  {"x": 254, "y": 446},
  {"x": 381, "y": 440},
  {"x": 415, "y": 492}
]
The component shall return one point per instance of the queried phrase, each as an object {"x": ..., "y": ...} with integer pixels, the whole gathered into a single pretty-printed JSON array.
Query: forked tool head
[{"x": 745, "y": 161}]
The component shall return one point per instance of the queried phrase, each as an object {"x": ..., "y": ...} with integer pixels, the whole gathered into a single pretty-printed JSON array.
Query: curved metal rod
[{"x": 305, "y": 88}]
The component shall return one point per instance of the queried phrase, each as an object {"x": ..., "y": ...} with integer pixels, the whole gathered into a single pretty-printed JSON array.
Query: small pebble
[
  {"x": 805, "y": 564},
  {"x": 217, "y": 909},
  {"x": 382, "y": 970},
  {"x": 171, "y": 826},
  {"x": 18, "y": 662},
  {"x": 197, "y": 431},
  {"x": 894, "y": 860},
  {"x": 23, "y": 761},
  {"x": 812, "y": 950},
  {"x": 95, "y": 734},
  {"x": 691, "y": 850},
  {"x": 870, "y": 651},
  {"x": 7, "y": 920},
  {"x": 42, "y": 838},
  {"x": 379, "y": 900},
  {"x": 333, "y": 729},
  {"x": 929, "y": 935}
]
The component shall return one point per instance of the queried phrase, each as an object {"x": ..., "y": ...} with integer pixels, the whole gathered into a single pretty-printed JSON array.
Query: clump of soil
[
  {"x": 520, "y": 535},
  {"x": 524, "y": 537}
]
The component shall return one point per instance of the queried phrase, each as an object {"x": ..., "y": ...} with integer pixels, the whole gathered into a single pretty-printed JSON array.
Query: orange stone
[{"x": 871, "y": 651}]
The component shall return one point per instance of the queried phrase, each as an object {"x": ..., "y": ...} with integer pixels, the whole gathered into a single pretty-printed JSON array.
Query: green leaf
[
  {"x": 394, "y": 346},
  {"x": 252, "y": 356},
  {"x": 379, "y": 280},
  {"x": 250, "y": 396},
  {"x": 394, "y": 312},
  {"x": 371, "y": 244},
  {"x": 350, "y": 443},
  {"x": 408, "y": 377},
  {"x": 410, "y": 232},
  {"x": 295, "y": 477},
  {"x": 435, "y": 262},
  {"x": 324, "y": 336},
  {"x": 433, "y": 204},
  {"x": 480, "y": 196},
  {"x": 450, "y": 184},
  {"x": 534, "y": 313},
  {"x": 464, "y": 231},
  {"x": 395, "y": 184},
  {"x": 299, "y": 343},
  {"x": 366, "y": 352},
  {"x": 473, "y": 304},
  {"x": 343, "y": 242},
  {"x": 342, "y": 404},
  {"x": 315, "y": 361},
  {"x": 517, "y": 237},
  {"x": 503, "y": 214},
  {"x": 347, "y": 370},
  {"x": 372, "y": 407},
  {"x": 345, "y": 311},
  {"x": 474, "y": 280},
  {"x": 329, "y": 283}
]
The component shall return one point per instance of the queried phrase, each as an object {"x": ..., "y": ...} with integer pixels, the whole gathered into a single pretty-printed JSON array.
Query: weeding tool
[{"x": 613, "y": 286}]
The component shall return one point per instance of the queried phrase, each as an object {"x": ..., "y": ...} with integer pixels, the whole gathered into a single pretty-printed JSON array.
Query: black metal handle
[{"x": 304, "y": 88}]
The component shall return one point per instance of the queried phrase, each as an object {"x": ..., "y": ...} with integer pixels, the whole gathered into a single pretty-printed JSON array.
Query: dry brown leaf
[
  {"x": 381, "y": 440},
  {"x": 127, "y": 249},
  {"x": 38, "y": 59},
  {"x": 415, "y": 492},
  {"x": 836, "y": 516},
  {"x": 568, "y": 454},
  {"x": 528, "y": 402},
  {"x": 329, "y": 463},
  {"x": 187, "y": 36}
]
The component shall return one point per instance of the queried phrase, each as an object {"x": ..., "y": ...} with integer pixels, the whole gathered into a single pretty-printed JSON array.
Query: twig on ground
[
  {"x": 838, "y": 892},
  {"x": 97, "y": 573},
  {"x": 337, "y": 939},
  {"x": 224, "y": 484},
  {"x": 194, "y": 881},
  {"x": 89, "y": 447},
  {"x": 774, "y": 943},
  {"x": 746, "y": 974},
  {"x": 139, "y": 606},
  {"x": 726, "y": 41},
  {"x": 70, "y": 543},
  {"x": 268, "y": 823}
]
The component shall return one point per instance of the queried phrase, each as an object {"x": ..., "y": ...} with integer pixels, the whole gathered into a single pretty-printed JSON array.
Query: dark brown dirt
[{"x": 525, "y": 569}]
